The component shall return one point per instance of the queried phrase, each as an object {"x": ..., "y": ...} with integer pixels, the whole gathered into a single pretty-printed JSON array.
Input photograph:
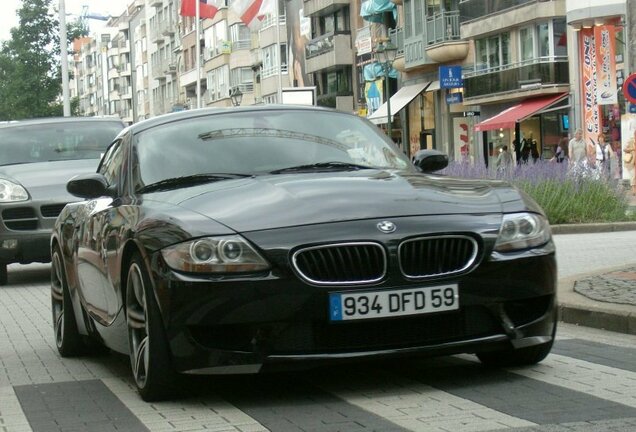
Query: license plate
[{"x": 391, "y": 303}]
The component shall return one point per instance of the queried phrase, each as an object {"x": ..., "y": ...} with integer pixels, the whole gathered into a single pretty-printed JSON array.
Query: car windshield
[
  {"x": 33, "y": 142},
  {"x": 263, "y": 142}
]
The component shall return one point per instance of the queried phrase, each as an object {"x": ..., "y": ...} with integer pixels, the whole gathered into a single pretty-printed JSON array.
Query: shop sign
[
  {"x": 363, "y": 41},
  {"x": 454, "y": 98},
  {"x": 450, "y": 77},
  {"x": 629, "y": 88},
  {"x": 226, "y": 47},
  {"x": 471, "y": 113}
]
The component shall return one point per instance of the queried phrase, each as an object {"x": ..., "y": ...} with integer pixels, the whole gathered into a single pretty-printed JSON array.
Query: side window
[{"x": 111, "y": 164}]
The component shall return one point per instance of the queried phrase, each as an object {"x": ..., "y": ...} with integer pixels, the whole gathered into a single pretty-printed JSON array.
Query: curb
[
  {"x": 593, "y": 228},
  {"x": 575, "y": 308},
  {"x": 604, "y": 319}
]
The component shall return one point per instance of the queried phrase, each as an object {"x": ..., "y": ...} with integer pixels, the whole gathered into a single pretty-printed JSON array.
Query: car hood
[
  {"x": 47, "y": 180},
  {"x": 276, "y": 201}
]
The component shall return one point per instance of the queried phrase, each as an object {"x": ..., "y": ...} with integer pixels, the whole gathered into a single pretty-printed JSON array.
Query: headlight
[
  {"x": 522, "y": 231},
  {"x": 227, "y": 254},
  {"x": 10, "y": 192}
]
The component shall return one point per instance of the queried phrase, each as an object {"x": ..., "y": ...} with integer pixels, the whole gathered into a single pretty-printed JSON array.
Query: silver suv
[{"x": 37, "y": 158}]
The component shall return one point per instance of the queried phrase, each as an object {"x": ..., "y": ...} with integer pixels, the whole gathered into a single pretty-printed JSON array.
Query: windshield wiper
[
  {"x": 336, "y": 166},
  {"x": 190, "y": 180}
]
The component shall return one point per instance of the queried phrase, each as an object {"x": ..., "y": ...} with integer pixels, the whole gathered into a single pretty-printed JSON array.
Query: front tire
[
  {"x": 4, "y": 276},
  {"x": 68, "y": 341},
  {"x": 150, "y": 358}
]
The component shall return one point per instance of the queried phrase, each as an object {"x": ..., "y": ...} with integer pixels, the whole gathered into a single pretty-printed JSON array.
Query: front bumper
[
  {"x": 25, "y": 230},
  {"x": 254, "y": 323}
]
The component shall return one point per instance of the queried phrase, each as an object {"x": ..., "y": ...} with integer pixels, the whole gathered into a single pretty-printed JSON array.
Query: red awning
[{"x": 517, "y": 113}]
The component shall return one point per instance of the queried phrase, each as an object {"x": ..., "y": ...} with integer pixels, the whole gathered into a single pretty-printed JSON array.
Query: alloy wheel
[
  {"x": 57, "y": 295},
  {"x": 137, "y": 314}
]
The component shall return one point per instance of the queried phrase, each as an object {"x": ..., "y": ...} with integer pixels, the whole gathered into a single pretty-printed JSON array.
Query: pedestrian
[
  {"x": 504, "y": 160},
  {"x": 534, "y": 151},
  {"x": 577, "y": 150},
  {"x": 603, "y": 155},
  {"x": 629, "y": 162}
]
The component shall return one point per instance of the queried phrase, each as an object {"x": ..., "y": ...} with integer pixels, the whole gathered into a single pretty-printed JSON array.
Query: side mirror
[
  {"x": 88, "y": 186},
  {"x": 430, "y": 160}
]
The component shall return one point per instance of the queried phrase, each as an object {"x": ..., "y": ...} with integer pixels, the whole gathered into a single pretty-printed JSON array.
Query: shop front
[
  {"x": 400, "y": 100},
  {"x": 541, "y": 123}
]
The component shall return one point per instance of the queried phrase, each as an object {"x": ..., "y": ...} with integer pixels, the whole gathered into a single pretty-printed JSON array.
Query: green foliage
[
  {"x": 567, "y": 195},
  {"x": 30, "y": 81},
  {"x": 578, "y": 200},
  {"x": 76, "y": 29}
]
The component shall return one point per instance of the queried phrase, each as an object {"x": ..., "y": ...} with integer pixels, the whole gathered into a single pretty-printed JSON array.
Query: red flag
[{"x": 207, "y": 8}]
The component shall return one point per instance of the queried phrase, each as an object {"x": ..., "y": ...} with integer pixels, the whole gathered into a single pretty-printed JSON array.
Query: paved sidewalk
[{"x": 600, "y": 296}]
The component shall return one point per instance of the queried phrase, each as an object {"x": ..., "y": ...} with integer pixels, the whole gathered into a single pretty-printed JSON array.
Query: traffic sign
[{"x": 629, "y": 88}]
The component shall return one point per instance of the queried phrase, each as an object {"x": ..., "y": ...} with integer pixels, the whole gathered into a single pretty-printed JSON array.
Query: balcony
[
  {"x": 158, "y": 71},
  {"x": 166, "y": 27},
  {"x": 155, "y": 35},
  {"x": 443, "y": 40},
  {"x": 520, "y": 78},
  {"x": 323, "y": 7},
  {"x": 328, "y": 51},
  {"x": 189, "y": 78},
  {"x": 156, "y": 3},
  {"x": 470, "y": 10}
]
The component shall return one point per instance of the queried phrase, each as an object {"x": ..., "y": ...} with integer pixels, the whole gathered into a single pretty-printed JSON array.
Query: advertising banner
[
  {"x": 587, "y": 60},
  {"x": 605, "y": 41},
  {"x": 461, "y": 140}
]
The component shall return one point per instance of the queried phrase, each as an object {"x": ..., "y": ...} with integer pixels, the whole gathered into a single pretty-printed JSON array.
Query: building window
[
  {"x": 526, "y": 44},
  {"x": 418, "y": 15},
  {"x": 240, "y": 36},
  {"x": 559, "y": 30},
  {"x": 492, "y": 52},
  {"x": 270, "y": 55},
  {"x": 242, "y": 77},
  {"x": 215, "y": 40},
  {"x": 217, "y": 83},
  {"x": 408, "y": 26},
  {"x": 543, "y": 39}
]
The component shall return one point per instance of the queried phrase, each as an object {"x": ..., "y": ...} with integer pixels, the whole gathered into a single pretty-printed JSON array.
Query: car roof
[
  {"x": 202, "y": 112},
  {"x": 60, "y": 120}
]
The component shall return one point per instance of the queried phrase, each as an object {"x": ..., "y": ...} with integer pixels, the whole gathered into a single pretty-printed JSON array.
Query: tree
[{"x": 30, "y": 76}]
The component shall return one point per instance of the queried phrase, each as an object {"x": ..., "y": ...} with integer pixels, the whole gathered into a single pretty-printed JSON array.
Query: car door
[{"x": 97, "y": 289}]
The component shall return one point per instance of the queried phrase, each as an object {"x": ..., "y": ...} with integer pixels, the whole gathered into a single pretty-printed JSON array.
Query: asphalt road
[{"x": 588, "y": 383}]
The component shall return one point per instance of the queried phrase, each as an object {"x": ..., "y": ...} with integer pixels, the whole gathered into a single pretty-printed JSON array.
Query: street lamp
[
  {"x": 236, "y": 95},
  {"x": 385, "y": 53}
]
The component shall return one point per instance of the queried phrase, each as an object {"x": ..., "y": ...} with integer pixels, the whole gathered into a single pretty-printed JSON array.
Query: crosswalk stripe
[
  {"x": 207, "y": 412},
  {"x": 12, "y": 417},
  {"x": 601, "y": 381},
  {"x": 414, "y": 405}
]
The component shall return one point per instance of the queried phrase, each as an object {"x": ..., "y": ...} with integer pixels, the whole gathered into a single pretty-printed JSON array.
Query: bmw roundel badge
[{"x": 386, "y": 227}]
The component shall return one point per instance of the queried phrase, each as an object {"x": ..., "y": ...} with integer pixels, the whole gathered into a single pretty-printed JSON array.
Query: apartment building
[
  {"x": 87, "y": 77},
  {"x": 329, "y": 53},
  {"x": 519, "y": 80},
  {"x": 431, "y": 112},
  {"x": 165, "y": 52}
]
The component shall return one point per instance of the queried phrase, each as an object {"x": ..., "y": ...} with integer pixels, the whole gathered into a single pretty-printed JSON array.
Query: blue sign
[
  {"x": 632, "y": 108},
  {"x": 450, "y": 77},
  {"x": 454, "y": 98}
]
